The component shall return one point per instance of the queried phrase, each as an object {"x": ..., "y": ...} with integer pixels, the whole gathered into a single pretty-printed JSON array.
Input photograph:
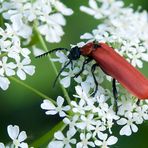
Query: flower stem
[
  {"x": 32, "y": 89},
  {"x": 44, "y": 140},
  {"x": 53, "y": 65},
  {"x": 1, "y": 21},
  {"x": 2, "y": 55}
]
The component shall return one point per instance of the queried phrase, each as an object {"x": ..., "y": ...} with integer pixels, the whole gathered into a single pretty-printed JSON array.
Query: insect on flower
[{"x": 112, "y": 64}]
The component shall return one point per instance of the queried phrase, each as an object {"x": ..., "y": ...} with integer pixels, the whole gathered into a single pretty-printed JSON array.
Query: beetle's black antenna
[
  {"x": 61, "y": 72},
  {"x": 51, "y": 51}
]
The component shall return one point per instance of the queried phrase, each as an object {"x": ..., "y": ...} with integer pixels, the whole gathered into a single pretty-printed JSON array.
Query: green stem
[
  {"x": 3, "y": 54},
  {"x": 44, "y": 140},
  {"x": 1, "y": 21},
  {"x": 53, "y": 65},
  {"x": 32, "y": 89}
]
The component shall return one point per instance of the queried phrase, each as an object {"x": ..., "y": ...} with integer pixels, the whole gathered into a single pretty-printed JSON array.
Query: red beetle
[
  {"x": 112, "y": 64},
  {"x": 118, "y": 68}
]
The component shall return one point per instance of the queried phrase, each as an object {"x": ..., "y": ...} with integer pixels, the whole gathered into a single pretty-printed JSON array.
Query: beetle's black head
[{"x": 74, "y": 53}]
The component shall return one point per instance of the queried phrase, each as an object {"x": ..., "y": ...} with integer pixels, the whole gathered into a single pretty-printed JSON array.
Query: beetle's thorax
[{"x": 87, "y": 49}]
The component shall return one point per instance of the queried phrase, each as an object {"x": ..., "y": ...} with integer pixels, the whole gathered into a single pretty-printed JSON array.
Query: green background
[{"x": 22, "y": 107}]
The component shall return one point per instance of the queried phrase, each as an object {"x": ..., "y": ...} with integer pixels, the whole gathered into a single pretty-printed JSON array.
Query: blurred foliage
[{"x": 21, "y": 107}]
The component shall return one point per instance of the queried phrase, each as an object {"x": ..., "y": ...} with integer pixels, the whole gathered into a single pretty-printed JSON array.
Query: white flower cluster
[
  {"x": 121, "y": 26},
  {"x": 14, "y": 59},
  {"x": 47, "y": 13},
  {"x": 90, "y": 120},
  {"x": 17, "y": 137}
]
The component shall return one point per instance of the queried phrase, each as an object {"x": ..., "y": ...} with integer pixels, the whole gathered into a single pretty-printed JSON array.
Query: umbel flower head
[
  {"x": 49, "y": 16},
  {"x": 15, "y": 59},
  {"x": 122, "y": 28},
  {"x": 16, "y": 136},
  {"x": 91, "y": 120}
]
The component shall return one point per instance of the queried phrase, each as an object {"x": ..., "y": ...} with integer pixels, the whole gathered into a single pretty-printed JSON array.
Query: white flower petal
[
  {"x": 98, "y": 142},
  {"x": 62, "y": 114},
  {"x": 65, "y": 81},
  {"x": 66, "y": 108},
  {"x": 2, "y": 145},
  {"x": 48, "y": 105},
  {"x": 145, "y": 57},
  {"x": 93, "y": 4},
  {"x": 134, "y": 128},
  {"x": 62, "y": 8},
  {"x": 22, "y": 136},
  {"x": 81, "y": 125},
  {"x": 122, "y": 121},
  {"x": 88, "y": 136},
  {"x": 26, "y": 61},
  {"x": 10, "y": 72},
  {"x": 87, "y": 10},
  {"x": 25, "y": 52},
  {"x": 60, "y": 101},
  {"x": 102, "y": 136},
  {"x": 59, "y": 18},
  {"x": 29, "y": 69},
  {"x": 86, "y": 36},
  {"x": 66, "y": 120},
  {"x": 13, "y": 131},
  {"x": 54, "y": 144},
  {"x": 59, "y": 135},
  {"x": 79, "y": 145},
  {"x": 91, "y": 144},
  {"x": 23, "y": 145},
  {"x": 51, "y": 112},
  {"x": 4, "y": 83},
  {"x": 37, "y": 51},
  {"x": 21, "y": 74},
  {"x": 125, "y": 130},
  {"x": 112, "y": 140}
]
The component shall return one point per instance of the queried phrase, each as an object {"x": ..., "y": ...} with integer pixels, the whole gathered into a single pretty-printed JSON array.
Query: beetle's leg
[
  {"x": 93, "y": 68},
  {"x": 71, "y": 62},
  {"x": 115, "y": 94},
  {"x": 61, "y": 72},
  {"x": 138, "y": 103},
  {"x": 86, "y": 61}
]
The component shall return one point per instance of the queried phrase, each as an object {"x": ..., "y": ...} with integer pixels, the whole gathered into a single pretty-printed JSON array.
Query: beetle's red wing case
[{"x": 119, "y": 68}]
